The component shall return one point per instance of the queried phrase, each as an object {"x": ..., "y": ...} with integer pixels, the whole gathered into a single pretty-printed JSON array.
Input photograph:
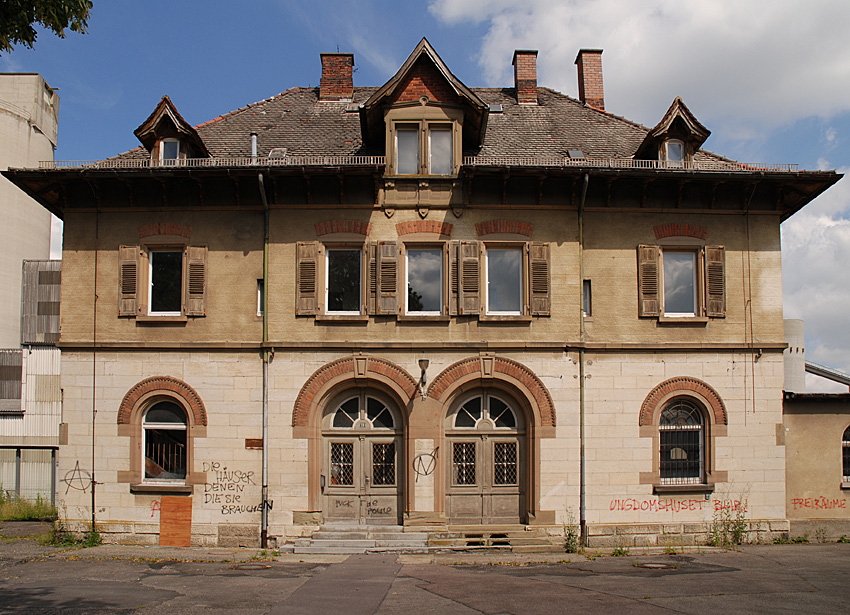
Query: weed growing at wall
[
  {"x": 572, "y": 534},
  {"x": 729, "y": 522}
]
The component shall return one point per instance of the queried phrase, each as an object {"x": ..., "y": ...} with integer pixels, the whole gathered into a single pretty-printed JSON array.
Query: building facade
[{"x": 427, "y": 305}]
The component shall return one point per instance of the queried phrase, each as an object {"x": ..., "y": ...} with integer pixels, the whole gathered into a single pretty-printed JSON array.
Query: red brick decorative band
[
  {"x": 375, "y": 369},
  {"x": 511, "y": 371},
  {"x": 424, "y": 226},
  {"x": 164, "y": 228},
  {"x": 168, "y": 386},
  {"x": 680, "y": 230},
  {"x": 685, "y": 386},
  {"x": 514, "y": 227},
  {"x": 343, "y": 226}
]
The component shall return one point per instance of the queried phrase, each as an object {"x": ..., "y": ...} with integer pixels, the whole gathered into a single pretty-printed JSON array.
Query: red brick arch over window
[
  {"x": 167, "y": 386},
  {"x": 683, "y": 385},
  {"x": 500, "y": 369},
  {"x": 370, "y": 368}
]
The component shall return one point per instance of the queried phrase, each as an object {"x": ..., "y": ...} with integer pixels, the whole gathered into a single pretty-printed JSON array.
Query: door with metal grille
[
  {"x": 486, "y": 475},
  {"x": 361, "y": 482}
]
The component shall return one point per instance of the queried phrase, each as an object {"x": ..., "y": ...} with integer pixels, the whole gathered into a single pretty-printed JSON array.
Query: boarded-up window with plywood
[
  {"x": 175, "y": 521},
  {"x": 11, "y": 375}
]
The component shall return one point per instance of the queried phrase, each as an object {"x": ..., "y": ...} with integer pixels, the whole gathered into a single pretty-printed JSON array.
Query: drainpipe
[
  {"x": 264, "y": 513},
  {"x": 582, "y": 464}
]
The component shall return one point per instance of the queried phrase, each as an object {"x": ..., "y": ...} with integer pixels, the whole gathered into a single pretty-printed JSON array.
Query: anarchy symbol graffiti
[
  {"x": 424, "y": 464},
  {"x": 77, "y": 479}
]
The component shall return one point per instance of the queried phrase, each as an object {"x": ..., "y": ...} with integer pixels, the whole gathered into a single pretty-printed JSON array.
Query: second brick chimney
[
  {"x": 525, "y": 76},
  {"x": 337, "y": 83},
  {"x": 590, "y": 91}
]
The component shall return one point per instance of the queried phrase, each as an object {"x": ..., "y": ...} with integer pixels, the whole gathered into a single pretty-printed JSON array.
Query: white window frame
[
  {"x": 260, "y": 292},
  {"x": 522, "y": 279},
  {"x": 163, "y": 250},
  {"x": 169, "y": 161},
  {"x": 697, "y": 282},
  {"x": 359, "y": 252},
  {"x": 674, "y": 162},
  {"x": 701, "y": 429},
  {"x": 845, "y": 450},
  {"x": 184, "y": 427},
  {"x": 441, "y": 252}
]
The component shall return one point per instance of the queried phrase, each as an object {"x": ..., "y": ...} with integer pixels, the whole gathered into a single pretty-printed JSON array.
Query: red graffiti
[
  {"x": 155, "y": 507},
  {"x": 821, "y": 503},
  {"x": 730, "y": 505},
  {"x": 673, "y": 506}
]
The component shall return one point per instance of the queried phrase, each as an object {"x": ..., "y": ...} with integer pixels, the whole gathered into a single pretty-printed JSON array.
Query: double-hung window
[
  {"x": 505, "y": 294},
  {"x": 424, "y": 283},
  {"x": 169, "y": 151},
  {"x": 162, "y": 281},
  {"x": 681, "y": 444},
  {"x": 679, "y": 282},
  {"x": 343, "y": 278},
  {"x": 673, "y": 153}
]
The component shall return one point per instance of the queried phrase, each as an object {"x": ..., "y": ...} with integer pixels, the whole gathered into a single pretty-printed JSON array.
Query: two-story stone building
[{"x": 472, "y": 310}]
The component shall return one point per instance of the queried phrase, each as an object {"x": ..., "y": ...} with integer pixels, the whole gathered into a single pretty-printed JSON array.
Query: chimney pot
[
  {"x": 337, "y": 83},
  {"x": 590, "y": 90},
  {"x": 525, "y": 76}
]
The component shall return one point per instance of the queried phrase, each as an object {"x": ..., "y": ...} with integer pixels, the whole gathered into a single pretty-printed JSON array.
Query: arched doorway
[
  {"x": 486, "y": 473},
  {"x": 362, "y": 478}
]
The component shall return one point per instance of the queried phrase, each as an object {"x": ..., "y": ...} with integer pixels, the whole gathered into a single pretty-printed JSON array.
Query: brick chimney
[
  {"x": 337, "y": 83},
  {"x": 525, "y": 76},
  {"x": 590, "y": 91}
]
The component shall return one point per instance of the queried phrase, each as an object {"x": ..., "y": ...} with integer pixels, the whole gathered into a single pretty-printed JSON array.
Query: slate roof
[{"x": 295, "y": 120}]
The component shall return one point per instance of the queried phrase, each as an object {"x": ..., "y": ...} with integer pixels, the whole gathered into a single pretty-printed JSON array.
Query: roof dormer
[
  {"x": 676, "y": 137},
  {"x": 424, "y": 86},
  {"x": 168, "y": 137}
]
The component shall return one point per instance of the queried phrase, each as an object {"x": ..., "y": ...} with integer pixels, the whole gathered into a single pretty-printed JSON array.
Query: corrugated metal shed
[{"x": 40, "y": 302}]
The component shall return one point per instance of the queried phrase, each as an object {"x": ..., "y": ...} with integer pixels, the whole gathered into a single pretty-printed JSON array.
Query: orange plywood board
[{"x": 175, "y": 521}]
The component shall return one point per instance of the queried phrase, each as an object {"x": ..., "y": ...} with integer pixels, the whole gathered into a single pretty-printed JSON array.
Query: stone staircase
[
  {"x": 513, "y": 538},
  {"x": 350, "y": 538}
]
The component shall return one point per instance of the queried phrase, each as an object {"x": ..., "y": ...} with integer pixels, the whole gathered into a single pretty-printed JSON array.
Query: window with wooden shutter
[
  {"x": 196, "y": 280},
  {"x": 128, "y": 280},
  {"x": 469, "y": 283},
  {"x": 307, "y": 258},
  {"x": 371, "y": 251},
  {"x": 648, "y": 287},
  {"x": 11, "y": 377},
  {"x": 454, "y": 277},
  {"x": 715, "y": 281},
  {"x": 541, "y": 303},
  {"x": 387, "y": 297}
]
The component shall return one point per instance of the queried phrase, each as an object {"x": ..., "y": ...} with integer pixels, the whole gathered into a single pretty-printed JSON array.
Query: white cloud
[{"x": 762, "y": 62}]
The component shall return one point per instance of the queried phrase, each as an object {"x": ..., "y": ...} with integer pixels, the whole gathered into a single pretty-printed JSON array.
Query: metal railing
[{"x": 470, "y": 161}]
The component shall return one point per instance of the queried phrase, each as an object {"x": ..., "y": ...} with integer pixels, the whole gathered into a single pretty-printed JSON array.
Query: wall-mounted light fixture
[{"x": 423, "y": 365}]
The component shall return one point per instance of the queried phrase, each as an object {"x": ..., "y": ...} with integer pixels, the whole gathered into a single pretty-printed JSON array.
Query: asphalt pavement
[{"x": 119, "y": 579}]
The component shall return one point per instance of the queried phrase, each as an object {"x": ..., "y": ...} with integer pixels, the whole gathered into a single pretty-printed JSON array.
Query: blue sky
[{"x": 770, "y": 79}]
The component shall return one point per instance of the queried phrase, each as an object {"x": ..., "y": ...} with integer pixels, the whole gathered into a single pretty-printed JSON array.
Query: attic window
[
  {"x": 576, "y": 153},
  {"x": 169, "y": 151},
  {"x": 495, "y": 108},
  {"x": 673, "y": 153}
]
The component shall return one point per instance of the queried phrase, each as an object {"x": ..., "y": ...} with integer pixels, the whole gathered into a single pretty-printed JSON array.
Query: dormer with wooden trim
[
  {"x": 168, "y": 137},
  {"x": 676, "y": 138}
]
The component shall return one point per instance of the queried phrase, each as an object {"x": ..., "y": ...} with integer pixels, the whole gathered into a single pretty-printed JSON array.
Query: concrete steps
[
  {"x": 514, "y": 538},
  {"x": 345, "y": 539}
]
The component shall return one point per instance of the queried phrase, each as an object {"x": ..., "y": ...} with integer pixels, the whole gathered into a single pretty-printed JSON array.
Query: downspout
[
  {"x": 582, "y": 464},
  {"x": 94, "y": 373},
  {"x": 264, "y": 513}
]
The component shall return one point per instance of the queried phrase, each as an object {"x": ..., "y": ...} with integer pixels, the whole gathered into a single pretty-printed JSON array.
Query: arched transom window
[
  {"x": 164, "y": 429},
  {"x": 485, "y": 412},
  {"x": 681, "y": 430},
  {"x": 845, "y": 454},
  {"x": 362, "y": 412}
]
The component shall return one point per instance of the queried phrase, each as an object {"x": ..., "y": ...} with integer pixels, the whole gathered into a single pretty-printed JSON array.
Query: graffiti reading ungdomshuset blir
[
  {"x": 675, "y": 506},
  {"x": 227, "y": 489}
]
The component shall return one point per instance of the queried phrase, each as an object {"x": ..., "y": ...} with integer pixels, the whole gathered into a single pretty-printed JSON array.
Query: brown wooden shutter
[
  {"x": 371, "y": 254},
  {"x": 11, "y": 378},
  {"x": 128, "y": 280},
  {"x": 307, "y": 264},
  {"x": 541, "y": 303},
  {"x": 196, "y": 280},
  {"x": 649, "y": 303},
  {"x": 454, "y": 277},
  {"x": 469, "y": 286},
  {"x": 715, "y": 281},
  {"x": 387, "y": 298}
]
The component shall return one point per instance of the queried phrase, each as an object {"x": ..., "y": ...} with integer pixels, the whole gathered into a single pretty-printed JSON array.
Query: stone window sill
[
  {"x": 683, "y": 320},
  {"x": 681, "y": 489},
  {"x": 160, "y": 488}
]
